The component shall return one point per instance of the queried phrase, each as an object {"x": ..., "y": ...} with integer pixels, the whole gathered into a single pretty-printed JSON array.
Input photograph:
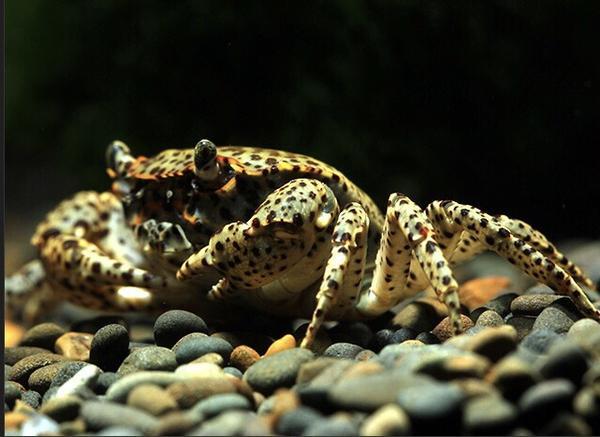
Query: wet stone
[
  {"x": 545, "y": 400},
  {"x": 21, "y": 371},
  {"x": 217, "y": 404},
  {"x": 533, "y": 304},
  {"x": 38, "y": 424},
  {"x": 193, "y": 346},
  {"x": 586, "y": 333},
  {"x": 564, "y": 360},
  {"x": 14, "y": 354},
  {"x": 148, "y": 358},
  {"x": 276, "y": 371},
  {"x": 110, "y": 346},
  {"x": 81, "y": 383},
  {"x": 43, "y": 335},
  {"x": 296, "y": 421},
  {"x": 489, "y": 319},
  {"x": 74, "y": 345},
  {"x": 365, "y": 355},
  {"x": 98, "y": 415},
  {"x": 119, "y": 431},
  {"x": 342, "y": 350},
  {"x": 152, "y": 399},
  {"x": 389, "y": 420},
  {"x": 489, "y": 415},
  {"x": 172, "y": 325},
  {"x": 539, "y": 341},
  {"x": 554, "y": 319}
]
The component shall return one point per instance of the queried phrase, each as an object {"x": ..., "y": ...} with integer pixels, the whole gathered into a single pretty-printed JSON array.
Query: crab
[{"x": 215, "y": 228}]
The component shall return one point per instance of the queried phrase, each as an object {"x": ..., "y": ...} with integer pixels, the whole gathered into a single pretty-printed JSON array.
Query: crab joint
[{"x": 206, "y": 166}]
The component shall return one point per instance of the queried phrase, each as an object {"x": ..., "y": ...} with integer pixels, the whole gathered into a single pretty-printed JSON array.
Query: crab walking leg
[
  {"x": 344, "y": 270},
  {"x": 493, "y": 232},
  {"x": 408, "y": 234}
]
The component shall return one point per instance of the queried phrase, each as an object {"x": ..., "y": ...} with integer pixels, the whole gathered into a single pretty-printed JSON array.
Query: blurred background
[{"x": 490, "y": 103}]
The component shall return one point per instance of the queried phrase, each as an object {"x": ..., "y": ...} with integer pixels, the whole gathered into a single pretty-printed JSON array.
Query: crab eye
[{"x": 205, "y": 164}]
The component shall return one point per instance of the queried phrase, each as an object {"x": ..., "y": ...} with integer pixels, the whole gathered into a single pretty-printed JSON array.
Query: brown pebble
[
  {"x": 40, "y": 379},
  {"x": 14, "y": 420},
  {"x": 211, "y": 357},
  {"x": 152, "y": 399},
  {"x": 243, "y": 357},
  {"x": 365, "y": 355},
  {"x": 478, "y": 291},
  {"x": 362, "y": 368},
  {"x": 43, "y": 335},
  {"x": 14, "y": 354},
  {"x": 176, "y": 423},
  {"x": 286, "y": 342},
  {"x": 74, "y": 345},
  {"x": 443, "y": 329},
  {"x": 285, "y": 400},
  {"x": 21, "y": 371},
  {"x": 188, "y": 393}
]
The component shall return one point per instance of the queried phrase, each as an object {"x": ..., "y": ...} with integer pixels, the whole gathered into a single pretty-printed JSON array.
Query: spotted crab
[{"x": 276, "y": 231}]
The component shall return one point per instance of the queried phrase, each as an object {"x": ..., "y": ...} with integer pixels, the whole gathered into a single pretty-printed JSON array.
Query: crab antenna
[{"x": 205, "y": 163}]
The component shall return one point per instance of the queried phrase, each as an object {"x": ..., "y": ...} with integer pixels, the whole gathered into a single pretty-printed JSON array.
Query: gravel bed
[{"x": 528, "y": 363}]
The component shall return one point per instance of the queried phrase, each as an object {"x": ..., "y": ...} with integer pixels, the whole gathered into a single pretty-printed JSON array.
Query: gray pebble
[
  {"x": 489, "y": 318},
  {"x": 172, "y": 325},
  {"x": 533, "y": 304},
  {"x": 21, "y": 371},
  {"x": 119, "y": 431},
  {"x": 522, "y": 324},
  {"x": 63, "y": 408},
  {"x": 388, "y": 420},
  {"x": 81, "y": 383},
  {"x": 43, "y": 335},
  {"x": 332, "y": 426},
  {"x": 228, "y": 423},
  {"x": 66, "y": 372},
  {"x": 539, "y": 341},
  {"x": 31, "y": 398},
  {"x": 296, "y": 421},
  {"x": 110, "y": 346},
  {"x": 98, "y": 415},
  {"x": 564, "y": 360},
  {"x": 192, "y": 346},
  {"x": 216, "y": 404},
  {"x": 342, "y": 350},
  {"x": 277, "y": 370},
  {"x": 489, "y": 415},
  {"x": 105, "y": 380},
  {"x": 148, "y": 358},
  {"x": 14, "y": 354},
  {"x": 12, "y": 392},
  {"x": 501, "y": 304},
  {"x": 586, "y": 333},
  {"x": 119, "y": 390},
  {"x": 545, "y": 399},
  {"x": 554, "y": 319},
  {"x": 233, "y": 371},
  {"x": 513, "y": 376},
  {"x": 587, "y": 405}
]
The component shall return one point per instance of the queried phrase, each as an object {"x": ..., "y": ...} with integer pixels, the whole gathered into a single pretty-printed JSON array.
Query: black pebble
[
  {"x": 172, "y": 325},
  {"x": 66, "y": 372},
  {"x": 105, "y": 380},
  {"x": 110, "y": 346},
  {"x": 296, "y": 421},
  {"x": 192, "y": 347},
  {"x": 427, "y": 338},
  {"x": 381, "y": 339},
  {"x": 351, "y": 332},
  {"x": 565, "y": 360},
  {"x": 402, "y": 335}
]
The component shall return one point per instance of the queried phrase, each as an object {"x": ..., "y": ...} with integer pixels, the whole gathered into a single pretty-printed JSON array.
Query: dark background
[{"x": 489, "y": 103}]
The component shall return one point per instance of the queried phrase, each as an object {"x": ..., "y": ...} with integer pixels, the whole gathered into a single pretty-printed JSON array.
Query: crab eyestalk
[{"x": 206, "y": 166}]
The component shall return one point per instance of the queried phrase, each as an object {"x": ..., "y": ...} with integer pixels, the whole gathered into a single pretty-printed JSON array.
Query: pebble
[
  {"x": 587, "y": 405},
  {"x": 332, "y": 426},
  {"x": 43, "y": 335},
  {"x": 276, "y": 371},
  {"x": 188, "y": 392},
  {"x": 176, "y": 423},
  {"x": 152, "y": 399},
  {"x": 233, "y": 371},
  {"x": 401, "y": 335},
  {"x": 443, "y": 330},
  {"x": 172, "y": 325},
  {"x": 586, "y": 333},
  {"x": 523, "y": 325},
  {"x": 286, "y": 342},
  {"x": 539, "y": 341},
  {"x": 193, "y": 346},
  {"x": 381, "y": 338},
  {"x": 431, "y": 407},
  {"x": 493, "y": 343},
  {"x": 12, "y": 355},
  {"x": 375, "y": 390},
  {"x": 389, "y": 420},
  {"x": 566, "y": 423},
  {"x": 296, "y": 421},
  {"x": 74, "y": 345},
  {"x": 192, "y": 370},
  {"x": 489, "y": 319},
  {"x": 12, "y": 392},
  {"x": 545, "y": 399},
  {"x": 66, "y": 372},
  {"x": 357, "y": 333},
  {"x": 533, "y": 304},
  {"x": 243, "y": 357},
  {"x": 63, "y": 408},
  {"x": 41, "y": 379},
  {"x": 555, "y": 319},
  {"x": 98, "y": 415},
  {"x": 217, "y": 404},
  {"x": 84, "y": 379},
  {"x": 501, "y": 304},
  {"x": 342, "y": 350},
  {"x": 230, "y": 423},
  {"x": 564, "y": 360},
  {"x": 118, "y": 430},
  {"x": 477, "y": 291},
  {"x": 148, "y": 358},
  {"x": 420, "y": 316},
  {"x": 427, "y": 338},
  {"x": 452, "y": 367},
  {"x": 105, "y": 380},
  {"x": 211, "y": 357},
  {"x": 311, "y": 369},
  {"x": 489, "y": 415},
  {"x": 365, "y": 355},
  {"x": 21, "y": 371},
  {"x": 31, "y": 398},
  {"x": 119, "y": 390},
  {"x": 110, "y": 346},
  {"x": 512, "y": 376}
]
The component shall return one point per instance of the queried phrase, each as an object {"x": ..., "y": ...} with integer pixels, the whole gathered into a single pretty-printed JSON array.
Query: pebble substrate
[{"x": 528, "y": 364}]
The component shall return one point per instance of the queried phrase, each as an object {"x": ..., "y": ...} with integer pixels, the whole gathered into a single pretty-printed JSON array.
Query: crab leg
[
  {"x": 509, "y": 239},
  {"x": 409, "y": 259},
  {"x": 345, "y": 268}
]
